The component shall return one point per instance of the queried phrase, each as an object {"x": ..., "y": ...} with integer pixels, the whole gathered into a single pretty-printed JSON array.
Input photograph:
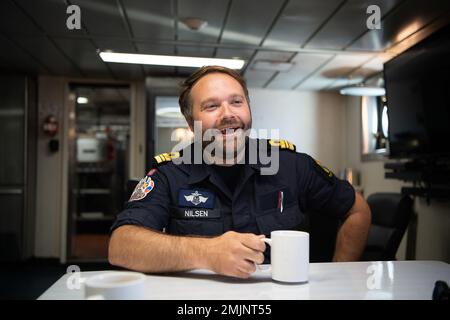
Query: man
[{"x": 215, "y": 214}]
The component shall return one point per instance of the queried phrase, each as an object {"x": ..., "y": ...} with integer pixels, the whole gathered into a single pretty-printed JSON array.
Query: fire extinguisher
[
  {"x": 50, "y": 128},
  {"x": 109, "y": 146}
]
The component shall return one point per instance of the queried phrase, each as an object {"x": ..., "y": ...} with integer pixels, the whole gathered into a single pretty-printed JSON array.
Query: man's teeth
[{"x": 228, "y": 130}]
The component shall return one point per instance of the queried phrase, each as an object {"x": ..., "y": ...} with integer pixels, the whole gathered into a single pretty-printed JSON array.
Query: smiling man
[{"x": 212, "y": 214}]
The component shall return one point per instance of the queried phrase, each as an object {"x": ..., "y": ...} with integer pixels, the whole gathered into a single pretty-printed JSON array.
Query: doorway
[{"x": 99, "y": 139}]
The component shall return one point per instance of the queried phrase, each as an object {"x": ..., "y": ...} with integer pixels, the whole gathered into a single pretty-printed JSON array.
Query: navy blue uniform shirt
[{"x": 192, "y": 199}]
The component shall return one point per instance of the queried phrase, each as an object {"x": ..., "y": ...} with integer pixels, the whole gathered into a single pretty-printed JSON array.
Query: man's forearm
[
  {"x": 144, "y": 250},
  {"x": 352, "y": 235}
]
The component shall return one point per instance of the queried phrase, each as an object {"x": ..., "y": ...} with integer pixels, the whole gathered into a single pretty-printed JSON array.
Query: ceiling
[{"x": 326, "y": 41}]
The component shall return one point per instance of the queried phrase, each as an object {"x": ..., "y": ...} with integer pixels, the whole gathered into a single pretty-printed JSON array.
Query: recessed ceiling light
[
  {"x": 82, "y": 100},
  {"x": 363, "y": 91},
  {"x": 194, "y": 24},
  {"x": 177, "y": 61}
]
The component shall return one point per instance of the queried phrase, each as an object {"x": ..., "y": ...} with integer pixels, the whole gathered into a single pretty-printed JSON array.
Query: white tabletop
[{"x": 350, "y": 280}]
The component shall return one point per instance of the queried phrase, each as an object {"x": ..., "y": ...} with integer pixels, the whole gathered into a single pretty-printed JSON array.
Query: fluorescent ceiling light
[
  {"x": 363, "y": 91},
  {"x": 82, "y": 100},
  {"x": 171, "y": 112},
  {"x": 178, "y": 61}
]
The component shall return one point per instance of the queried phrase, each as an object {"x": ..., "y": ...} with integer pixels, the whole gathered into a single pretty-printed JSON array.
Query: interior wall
[
  {"x": 433, "y": 225},
  {"x": 49, "y": 183},
  {"x": 313, "y": 121},
  {"x": 138, "y": 118}
]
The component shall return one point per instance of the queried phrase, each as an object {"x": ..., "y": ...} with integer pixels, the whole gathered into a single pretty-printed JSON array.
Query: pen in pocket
[{"x": 280, "y": 200}]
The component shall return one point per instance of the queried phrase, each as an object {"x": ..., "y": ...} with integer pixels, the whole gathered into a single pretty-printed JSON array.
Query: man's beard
[{"x": 226, "y": 142}]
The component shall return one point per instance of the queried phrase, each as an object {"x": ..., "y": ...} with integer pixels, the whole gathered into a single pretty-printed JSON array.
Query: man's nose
[{"x": 227, "y": 112}]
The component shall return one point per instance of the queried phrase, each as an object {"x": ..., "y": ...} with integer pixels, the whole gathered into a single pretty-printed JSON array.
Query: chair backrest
[
  {"x": 322, "y": 231},
  {"x": 391, "y": 213}
]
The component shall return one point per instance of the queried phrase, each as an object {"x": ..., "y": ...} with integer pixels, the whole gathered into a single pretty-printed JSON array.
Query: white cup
[
  {"x": 289, "y": 255},
  {"x": 117, "y": 285}
]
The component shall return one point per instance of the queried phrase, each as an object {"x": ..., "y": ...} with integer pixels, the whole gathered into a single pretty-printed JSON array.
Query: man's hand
[{"x": 235, "y": 254}]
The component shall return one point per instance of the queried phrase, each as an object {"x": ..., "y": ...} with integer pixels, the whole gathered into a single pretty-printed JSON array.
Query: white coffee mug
[
  {"x": 116, "y": 285},
  {"x": 289, "y": 255}
]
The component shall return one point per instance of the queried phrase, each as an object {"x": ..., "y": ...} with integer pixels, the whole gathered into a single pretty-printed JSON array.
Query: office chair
[
  {"x": 391, "y": 213},
  {"x": 322, "y": 231}
]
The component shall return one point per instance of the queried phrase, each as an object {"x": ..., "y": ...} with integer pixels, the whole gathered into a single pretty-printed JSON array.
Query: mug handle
[{"x": 269, "y": 267}]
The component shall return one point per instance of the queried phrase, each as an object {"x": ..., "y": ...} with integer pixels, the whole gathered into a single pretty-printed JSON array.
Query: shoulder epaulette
[
  {"x": 282, "y": 144},
  {"x": 164, "y": 158}
]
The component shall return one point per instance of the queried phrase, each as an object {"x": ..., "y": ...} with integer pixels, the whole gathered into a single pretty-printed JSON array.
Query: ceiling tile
[
  {"x": 234, "y": 53},
  {"x": 151, "y": 19},
  {"x": 347, "y": 24},
  {"x": 41, "y": 11},
  {"x": 408, "y": 18},
  {"x": 336, "y": 69},
  {"x": 148, "y": 48},
  {"x": 199, "y": 51},
  {"x": 104, "y": 43},
  {"x": 14, "y": 22},
  {"x": 46, "y": 52},
  {"x": 250, "y": 20},
  {"x": 15, "y": 59},
  {"x": 101, "y": 17},
  {"x": 83, "y": 54},
  {"x": 304, "y": 64},
  {"x": 273, "y": 55},
  {"x": 257, "y": 78},
  {"x": 371, "y": 67},
  {"x": 298, "y": 22}
]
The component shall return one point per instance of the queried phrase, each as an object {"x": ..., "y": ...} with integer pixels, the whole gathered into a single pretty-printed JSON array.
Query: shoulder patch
[
  {"x": 323, "y": 170},
  {"x": 164, "y": 158},
  {"x": 142, "y": 189},
  {"x": 282, "y": 144}
]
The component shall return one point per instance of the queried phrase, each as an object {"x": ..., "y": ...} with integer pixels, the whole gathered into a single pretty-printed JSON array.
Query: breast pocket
[
  {"x": 289, "y": 219},
  {"x": 194, "y": 221}
]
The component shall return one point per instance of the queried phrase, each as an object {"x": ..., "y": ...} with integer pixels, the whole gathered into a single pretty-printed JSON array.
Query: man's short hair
[{"x": 185, "y": 100}]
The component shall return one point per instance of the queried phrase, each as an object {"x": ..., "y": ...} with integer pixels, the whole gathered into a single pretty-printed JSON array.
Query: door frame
[{"x": 136, "y": 151}]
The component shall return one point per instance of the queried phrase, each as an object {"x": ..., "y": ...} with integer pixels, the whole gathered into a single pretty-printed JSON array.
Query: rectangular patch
[
  {"x": 197, "y": 198},
  {"x": 195, "y": 213}
]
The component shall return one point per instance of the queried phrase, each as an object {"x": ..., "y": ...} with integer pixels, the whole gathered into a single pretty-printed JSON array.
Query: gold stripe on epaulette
[
  {"x": 282, "y": 144},
  {"x": 166, "y": 157}
]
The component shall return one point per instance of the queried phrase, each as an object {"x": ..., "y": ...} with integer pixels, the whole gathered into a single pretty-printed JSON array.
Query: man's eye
[
  {"x": 237, "y": 101},
  {"x": 211, "y": 106}
]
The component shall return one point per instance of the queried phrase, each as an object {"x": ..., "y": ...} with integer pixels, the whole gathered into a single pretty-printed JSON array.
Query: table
[{"x": 346, "y": 280}]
